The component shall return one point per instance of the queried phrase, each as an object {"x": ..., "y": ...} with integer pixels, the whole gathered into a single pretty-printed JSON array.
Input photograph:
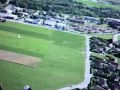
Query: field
[
  {"x": 94, "y": 4},
  {"x": 19, "y": 58},
  {"x": 62, "y": 61}
]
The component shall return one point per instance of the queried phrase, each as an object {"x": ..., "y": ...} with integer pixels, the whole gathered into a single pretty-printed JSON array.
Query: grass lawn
[
  {"x": 62, "y": 63},
  {"x": 109, "y": 36},
  {"x": 94, "y": 4}
]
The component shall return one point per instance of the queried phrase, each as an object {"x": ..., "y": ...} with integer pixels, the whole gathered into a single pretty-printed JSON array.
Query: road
[{"x": 86, "y": 81}]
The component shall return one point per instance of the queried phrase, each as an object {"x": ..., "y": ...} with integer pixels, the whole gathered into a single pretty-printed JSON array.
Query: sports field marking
[{"x": 19, "y": 58}]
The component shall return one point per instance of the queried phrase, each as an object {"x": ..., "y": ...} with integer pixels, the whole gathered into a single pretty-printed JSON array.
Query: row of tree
[
  {"x": 3, "y": 1},
  {"x": 68, "y": 7}
]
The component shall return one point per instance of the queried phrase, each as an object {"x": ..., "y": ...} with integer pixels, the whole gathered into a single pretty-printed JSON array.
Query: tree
[
  {"x": 101, "y": 20},
  {"x": 3, "y": 1}
]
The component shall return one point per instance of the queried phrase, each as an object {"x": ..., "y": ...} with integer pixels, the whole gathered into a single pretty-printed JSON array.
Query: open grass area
[
  {"x": 109, "y": 36},
  {"x": 62, "y": 61},
  {"x": 95, "y": 4}
]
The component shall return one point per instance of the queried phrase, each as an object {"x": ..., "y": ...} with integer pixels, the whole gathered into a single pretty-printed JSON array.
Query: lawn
[
  {"x": 94, "y": 4},
  {"x": 62, "y": 61}
]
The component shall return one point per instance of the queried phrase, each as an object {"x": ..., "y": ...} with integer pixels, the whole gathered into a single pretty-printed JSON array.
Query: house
[
  {"x": 49, "y": 23},
  {"x": 27, "y": 88},
  {"x": 34, "y": 21},
  {"x": 36, "y": 13},
  {"x": 99, "y": 73},
  {"x": 13, "y": 8},
  {"x": 2, "y": 19},
  {"x": 23, "y": 14},
  {"x": 40, "y": 22},
  {"x": 10, "y": 16},
  {"x": 112, "y": 67},
  {"x": 76, "y": 20},
  {"x": 61, "y": 19},
  {"x": 116, "y": 86},
  {"x": 60, "y": 26},
  {"x": 101, "y": 82},
  {"x": 96, "y": 64},
  {"x": 6, "y": 11},
  {"x": 91, "y": 19},
  {"x": 116, "y": 43},
  {"x": 114, "y": 23},
  {"x": 98, "y": 88},
  {"x": 113, "y": 77}
]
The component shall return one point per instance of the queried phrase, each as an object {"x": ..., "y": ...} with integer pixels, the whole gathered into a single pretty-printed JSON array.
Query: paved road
[{"x": 86, "y": 81}]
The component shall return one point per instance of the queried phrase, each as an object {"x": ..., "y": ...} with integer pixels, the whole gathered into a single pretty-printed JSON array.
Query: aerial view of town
[{"x": 59, "y": 44}]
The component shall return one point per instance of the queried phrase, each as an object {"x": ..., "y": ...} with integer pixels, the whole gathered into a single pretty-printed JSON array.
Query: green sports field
[{"x": 62, "y": 58}]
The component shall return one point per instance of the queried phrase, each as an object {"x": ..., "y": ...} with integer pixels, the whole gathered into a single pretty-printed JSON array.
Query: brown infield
[{"x": 19, "y": 58}]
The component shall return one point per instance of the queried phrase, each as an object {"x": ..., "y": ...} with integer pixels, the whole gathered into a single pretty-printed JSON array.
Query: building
[
  {"x": 2, "y": 19},
  {"x": 91, "y": 19},
  {"x": 28, "y": 20},
  {"x": 114, "y": 23},
  {"x": 76, "y": 20},
  {"x": 8, "y": 16},
  {"x": 98, "y": 88},
  {"x": 40, "y": 22},
  {"x": 60, "y": 26}
]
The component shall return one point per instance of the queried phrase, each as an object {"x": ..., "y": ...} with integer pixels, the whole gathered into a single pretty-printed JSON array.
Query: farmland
[{"x": 61, "y": 54}]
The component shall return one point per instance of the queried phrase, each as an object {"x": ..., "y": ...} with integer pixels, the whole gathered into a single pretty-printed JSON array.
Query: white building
[
  {"x": 49, "y": 23},
  {"x": 40, "y": 22},
  {"x": 8, "y": 16},
  {"x": 27, "y": 88},
  {"x": 60, "y": 26}
]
